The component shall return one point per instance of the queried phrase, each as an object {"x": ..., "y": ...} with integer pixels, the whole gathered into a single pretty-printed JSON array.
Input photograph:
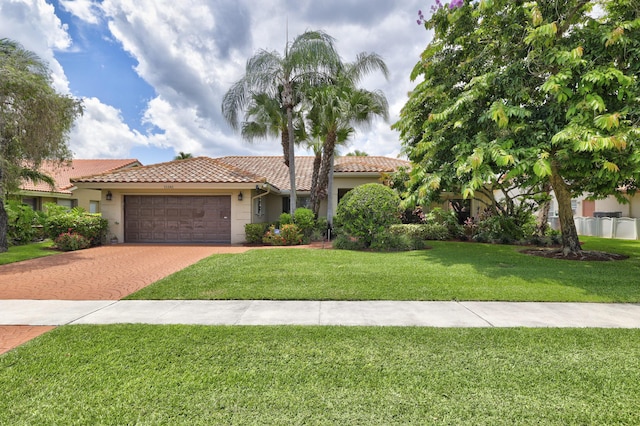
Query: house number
[{"x": 168, "y": 187}]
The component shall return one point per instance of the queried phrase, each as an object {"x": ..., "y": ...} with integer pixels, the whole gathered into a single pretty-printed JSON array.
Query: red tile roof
[
  {"x": 191, "y": 170},
  {"x": 242, "y": 169},
  {"x": 63, "y": 173}
]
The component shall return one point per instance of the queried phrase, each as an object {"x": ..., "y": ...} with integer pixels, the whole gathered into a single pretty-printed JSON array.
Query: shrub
[
  {"x": 70, "y": 241},
  {"x": 291, "y": 234},
  {"x": 449, "y": 219},
  {"x": 22, "y": 223},
  {"x": 92, "y": 226},
  {"x": 286, "y": 236},
  {"x": 254, "y": 232},
  {"x": 367, "y": 211},
  {"x": 391, "y": 241},
  {"x": 285, "y": 219},
  {"x": 305, "y": 220},
  {"x": 505, "y": 229},
  {"x": 346, "y": 242}
]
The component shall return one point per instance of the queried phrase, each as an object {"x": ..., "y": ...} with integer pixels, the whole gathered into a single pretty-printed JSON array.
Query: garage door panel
[{"x": 187, "y": 219}]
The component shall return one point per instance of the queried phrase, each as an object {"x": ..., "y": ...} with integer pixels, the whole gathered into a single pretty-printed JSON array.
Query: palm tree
[
  {"x": 357, "y": 153},
  {"x": 183, "y": 156},
  {"x": 309, "y": 60},
  {"x": 334, "y": 111}
]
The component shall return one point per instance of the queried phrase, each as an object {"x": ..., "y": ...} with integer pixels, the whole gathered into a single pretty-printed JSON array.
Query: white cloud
[
  {"x": 190, "y": 52},
  {"x": 86, "y": 10},
  {"x": 101, "y": 133},
  {"x": 34, "y": 24}
]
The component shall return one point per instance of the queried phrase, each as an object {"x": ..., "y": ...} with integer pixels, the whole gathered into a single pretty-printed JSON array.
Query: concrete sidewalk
[{"x": 369, "y": 313}]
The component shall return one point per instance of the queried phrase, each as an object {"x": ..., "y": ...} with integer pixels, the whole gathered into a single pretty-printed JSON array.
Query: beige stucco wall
[
  {"x": 610, "y": 204},
  {"x": 113, "y": 210}
]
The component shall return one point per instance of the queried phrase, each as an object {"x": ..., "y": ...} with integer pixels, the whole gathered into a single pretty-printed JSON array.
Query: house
[
  {"x": 210, "y": 200},
  {"x": 64, "y": 193}
]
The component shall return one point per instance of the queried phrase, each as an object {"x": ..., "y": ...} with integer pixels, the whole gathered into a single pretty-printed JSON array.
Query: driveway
[{"x": 102, "y": 273}]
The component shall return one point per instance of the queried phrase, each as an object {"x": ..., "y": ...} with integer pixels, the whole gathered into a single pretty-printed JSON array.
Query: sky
[{"x": 152, "y": 73}]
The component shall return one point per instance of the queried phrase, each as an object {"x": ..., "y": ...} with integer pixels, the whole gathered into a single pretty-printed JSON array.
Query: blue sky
[{"x": 152, "y": 73}]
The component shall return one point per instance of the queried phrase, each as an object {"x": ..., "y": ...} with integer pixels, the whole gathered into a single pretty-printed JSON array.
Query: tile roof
[
  {"x": 242, "y": 169},
  {"x": 191, "y": 170},
  {"x": 63, "y": 173}
]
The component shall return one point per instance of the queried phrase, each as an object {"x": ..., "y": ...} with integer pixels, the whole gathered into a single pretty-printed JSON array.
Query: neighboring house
[
  {"x": 64, "y": 193},
  {"x": 606, "y": 218},
  {"x": 210, "y": 200}
]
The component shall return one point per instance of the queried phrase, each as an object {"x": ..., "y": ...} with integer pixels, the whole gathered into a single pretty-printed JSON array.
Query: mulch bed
[{"x": 584, "y": 255}]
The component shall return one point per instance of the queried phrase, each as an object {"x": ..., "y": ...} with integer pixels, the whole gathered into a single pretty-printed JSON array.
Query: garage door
[{"x": 177, "y": 219}]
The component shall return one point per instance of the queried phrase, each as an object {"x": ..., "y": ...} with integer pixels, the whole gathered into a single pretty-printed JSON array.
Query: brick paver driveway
[{"x": 102, "y": 273}]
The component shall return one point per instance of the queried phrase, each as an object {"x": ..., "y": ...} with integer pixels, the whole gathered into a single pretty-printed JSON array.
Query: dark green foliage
[
  {"x": 35, "y": 122},
  {"x": 23, "y": 223},
  {"x": 285, "y": 219},
  {"x": 391, "y": 241},
  {"x": 305, "y": 219},
  {"x": 367, "y": 211},
  {"x": 254, "y": 232},
  {"x": 504, "y": 229},
  {"x": 91, "y": 226},
  {"x": 423, "y": 232},
  {"x": 345, "y": 242}
]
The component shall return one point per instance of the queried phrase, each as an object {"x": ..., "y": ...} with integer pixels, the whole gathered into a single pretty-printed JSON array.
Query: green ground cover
[
  {"x": 447, "y": 271},
  {"x": 27, "y": 251},
  {"x": 137, "y": 374}
]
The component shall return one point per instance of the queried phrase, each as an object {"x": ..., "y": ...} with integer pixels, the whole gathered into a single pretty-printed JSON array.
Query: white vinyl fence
[{"x": 625, "y": 228}]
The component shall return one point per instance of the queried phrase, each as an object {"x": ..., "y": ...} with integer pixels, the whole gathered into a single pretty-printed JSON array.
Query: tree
[
  {"x": 35, "y": 121},
  {"x": 309, "y": 60},
  {"x": 535, "y": 92},
  {"x": 334, "y": 110},
  {"x": 183, "y": 156}
]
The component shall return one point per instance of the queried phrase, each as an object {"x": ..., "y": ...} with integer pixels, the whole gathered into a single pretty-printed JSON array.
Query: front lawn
[
  {"x": 448, "y": 271},
  {"x": 27, "y": 251},
  {"x": 136, "y": 374}
]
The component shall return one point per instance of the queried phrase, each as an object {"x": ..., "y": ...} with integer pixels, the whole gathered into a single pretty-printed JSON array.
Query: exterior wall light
[
  {"x": 240, "y": 196},
  {"x": 109, "y": 196}
]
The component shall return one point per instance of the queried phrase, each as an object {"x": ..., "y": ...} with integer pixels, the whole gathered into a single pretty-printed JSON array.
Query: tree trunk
[
  {"x": 328, "y": 150},
  {"x": 329, "y": 191},
  {"x": 315, "y": 202},
  {"x": 570, "y": 241},
  {"x": 287, "y": 98},
  {"x": 543, "y": 212},
  {"x": 4, "y": 228},
  {"x": 285, "y": 144}
]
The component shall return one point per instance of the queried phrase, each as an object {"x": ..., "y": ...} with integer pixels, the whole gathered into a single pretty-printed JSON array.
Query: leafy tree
[
  {"x": 35, "y": 121},
  {"x": 337, "y": 107},
  {"x": 309, "y": 60},
  {"x": 535, "y": 92}
]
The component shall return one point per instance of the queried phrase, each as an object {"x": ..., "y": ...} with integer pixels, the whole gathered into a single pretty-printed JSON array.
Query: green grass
[
  {"x": 136, "y": 374},
  {"x": 28, "y": 251},
  {"x": 448, "y": 271}
]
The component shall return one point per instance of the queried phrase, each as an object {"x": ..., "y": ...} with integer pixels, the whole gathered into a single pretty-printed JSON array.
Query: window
[
  {"x": 31, "y": 202},
  {"x": 69, "y": 204},
  {"x": 257, "y": 208},
  {"x": 300, "y": 202},
  {"x": 342, "y": 192},
  {"x": 94, "y": 206}
]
